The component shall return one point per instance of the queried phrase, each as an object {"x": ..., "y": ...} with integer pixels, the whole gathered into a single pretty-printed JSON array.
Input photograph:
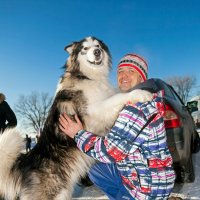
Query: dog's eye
[
  {"x": 97, "y": 46},
  {"x": 86, "y": 48}
]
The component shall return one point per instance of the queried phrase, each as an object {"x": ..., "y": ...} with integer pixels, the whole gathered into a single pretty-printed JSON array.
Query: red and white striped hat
[{"x": 136, "y": 62}]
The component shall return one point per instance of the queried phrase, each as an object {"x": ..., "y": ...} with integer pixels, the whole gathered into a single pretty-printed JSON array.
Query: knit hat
[{"x": 136, "y": 62}]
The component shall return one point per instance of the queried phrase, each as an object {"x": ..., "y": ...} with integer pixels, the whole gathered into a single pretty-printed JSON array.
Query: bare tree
[
  {"x": 182, "y": 85},
  {"x": 33, "y": 109}
]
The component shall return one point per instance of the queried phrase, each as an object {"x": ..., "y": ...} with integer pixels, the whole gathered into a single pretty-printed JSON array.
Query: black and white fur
[{"x": 51, "y": 169}]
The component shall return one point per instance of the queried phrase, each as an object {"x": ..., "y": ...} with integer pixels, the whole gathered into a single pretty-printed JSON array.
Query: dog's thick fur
[{"x": 51, "y": 169}]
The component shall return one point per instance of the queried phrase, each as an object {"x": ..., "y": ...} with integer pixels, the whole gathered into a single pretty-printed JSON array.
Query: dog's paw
[{"x": 140, "y": 96}]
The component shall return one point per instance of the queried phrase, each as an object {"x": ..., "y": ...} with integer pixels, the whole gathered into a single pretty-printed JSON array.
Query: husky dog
[{"x": 51, "y": 169}]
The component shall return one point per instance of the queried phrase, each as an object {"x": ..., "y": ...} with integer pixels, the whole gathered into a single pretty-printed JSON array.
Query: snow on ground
[
  {"x": 187, "y": 191},
  {"x": 191, "y": 191}
]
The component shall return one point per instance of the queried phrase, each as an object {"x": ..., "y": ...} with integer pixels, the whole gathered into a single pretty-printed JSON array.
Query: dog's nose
[{"x": 97, "y": 52}]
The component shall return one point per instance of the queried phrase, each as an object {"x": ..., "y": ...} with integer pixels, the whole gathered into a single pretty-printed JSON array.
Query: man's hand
[{"x": 68, "y": 126}]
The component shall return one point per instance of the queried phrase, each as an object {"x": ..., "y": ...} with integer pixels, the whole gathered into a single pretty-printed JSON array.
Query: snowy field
[
  {"x": 191, "y": 190},
  {"x": 188, "y": 191}
]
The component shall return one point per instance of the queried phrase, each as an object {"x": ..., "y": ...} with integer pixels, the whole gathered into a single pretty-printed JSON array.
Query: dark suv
[{"x": 180, "y": 129}]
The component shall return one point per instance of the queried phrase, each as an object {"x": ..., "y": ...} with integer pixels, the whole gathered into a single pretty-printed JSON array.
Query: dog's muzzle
[
  {"x": 94, "y": 55},
  {"x": 97, "y": 56},
  {"x": 97, "y": 53}
]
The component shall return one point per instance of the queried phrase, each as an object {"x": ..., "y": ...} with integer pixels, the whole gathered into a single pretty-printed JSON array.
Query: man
[
  {"x": 7, "y": 116},
  {"x": 135, "y": 162}
]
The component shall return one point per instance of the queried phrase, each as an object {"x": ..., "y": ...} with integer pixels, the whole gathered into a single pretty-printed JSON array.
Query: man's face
[{"x": 128, "y": 78}]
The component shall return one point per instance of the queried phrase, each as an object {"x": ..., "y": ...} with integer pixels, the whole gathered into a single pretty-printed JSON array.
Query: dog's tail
[{"x": 11, "y": 145}]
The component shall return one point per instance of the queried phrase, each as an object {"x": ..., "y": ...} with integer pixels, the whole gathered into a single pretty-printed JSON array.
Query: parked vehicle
[{"x": 180, "y": 129}]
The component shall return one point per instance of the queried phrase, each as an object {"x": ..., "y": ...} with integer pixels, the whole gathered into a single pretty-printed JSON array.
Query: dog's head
[{"x": 89, "y": 56}]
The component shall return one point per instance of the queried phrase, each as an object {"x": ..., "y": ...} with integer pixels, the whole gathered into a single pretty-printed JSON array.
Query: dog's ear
[{"x": 70, "y": 47}]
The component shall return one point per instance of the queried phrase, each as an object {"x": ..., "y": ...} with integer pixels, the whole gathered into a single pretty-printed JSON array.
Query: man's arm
[{"x": 122, "y": 138}]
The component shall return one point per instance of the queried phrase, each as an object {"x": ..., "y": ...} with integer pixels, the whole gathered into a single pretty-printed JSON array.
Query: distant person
[
  {"x": 28, "y": 143},
  {"x": 7, "y": 116},
  {"x": 37, "y": 138}
]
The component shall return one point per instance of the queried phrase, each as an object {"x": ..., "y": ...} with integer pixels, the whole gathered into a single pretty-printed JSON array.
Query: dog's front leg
[{"x": 104, "y": 113}]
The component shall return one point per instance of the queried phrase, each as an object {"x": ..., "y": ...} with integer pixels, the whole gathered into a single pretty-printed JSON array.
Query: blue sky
[{"x": 33, "y": 35}]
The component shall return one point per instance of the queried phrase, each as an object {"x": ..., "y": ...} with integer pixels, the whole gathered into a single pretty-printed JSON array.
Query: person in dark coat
[{"x": 7, "y": 116}]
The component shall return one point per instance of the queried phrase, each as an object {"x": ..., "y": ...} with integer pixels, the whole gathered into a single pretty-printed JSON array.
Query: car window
[
  {"x": 176, "y": 96},
  {"x": 170, "y": 92}
]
